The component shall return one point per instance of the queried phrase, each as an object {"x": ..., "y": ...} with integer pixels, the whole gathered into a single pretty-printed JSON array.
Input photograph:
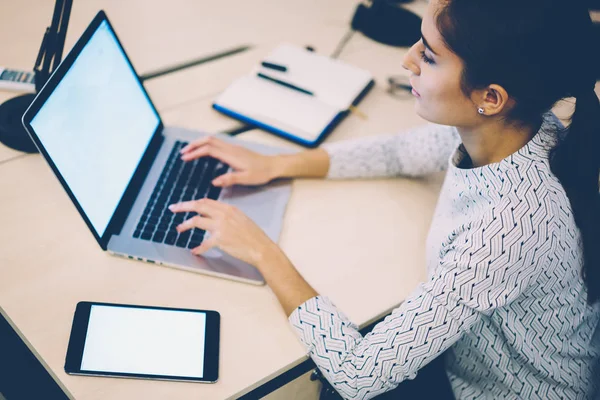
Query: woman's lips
[{"x": 414, "y": 92}]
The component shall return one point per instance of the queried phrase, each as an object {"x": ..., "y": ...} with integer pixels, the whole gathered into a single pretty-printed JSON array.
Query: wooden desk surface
[
  {"x": 50, "y": 261},
  {"x": 168, "y": 33}
]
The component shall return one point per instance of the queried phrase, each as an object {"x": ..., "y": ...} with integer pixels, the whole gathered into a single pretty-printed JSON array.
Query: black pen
[
  {"x": 276, "y": 67},
  {"x": 287, "y": 85}
]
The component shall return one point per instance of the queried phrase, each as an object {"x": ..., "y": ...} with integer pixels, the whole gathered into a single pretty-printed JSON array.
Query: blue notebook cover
[
  {"x": 303, "y": 99},
  {"x": 290, "y": 136}
]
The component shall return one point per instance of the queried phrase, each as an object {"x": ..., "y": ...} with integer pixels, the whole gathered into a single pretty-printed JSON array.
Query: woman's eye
[{"x": 426, "y": 59}]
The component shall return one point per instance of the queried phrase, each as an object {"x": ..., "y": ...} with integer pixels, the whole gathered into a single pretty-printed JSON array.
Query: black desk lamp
[{"x": 12, "y": 132}]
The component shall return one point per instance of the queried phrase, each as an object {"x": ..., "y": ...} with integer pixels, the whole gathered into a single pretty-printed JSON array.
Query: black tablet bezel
[{"x": 79, "y": 332}]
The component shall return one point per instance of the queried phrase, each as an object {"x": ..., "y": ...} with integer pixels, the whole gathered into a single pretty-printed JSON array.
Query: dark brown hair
[{"x": 540, "y": 52}]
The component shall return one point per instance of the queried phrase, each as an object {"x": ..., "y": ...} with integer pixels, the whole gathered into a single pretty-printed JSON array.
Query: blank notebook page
[
  {"x": 280, "y": 107},
  {"x": 332, "y": 81}
]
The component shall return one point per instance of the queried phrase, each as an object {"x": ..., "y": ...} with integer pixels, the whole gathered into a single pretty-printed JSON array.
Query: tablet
[{"x": 130, "y": 341}]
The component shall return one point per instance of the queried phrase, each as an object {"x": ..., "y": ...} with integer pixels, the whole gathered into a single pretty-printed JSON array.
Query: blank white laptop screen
[
  {"x": 96, "y": 126},
  {"x": 145, "y": 341}
]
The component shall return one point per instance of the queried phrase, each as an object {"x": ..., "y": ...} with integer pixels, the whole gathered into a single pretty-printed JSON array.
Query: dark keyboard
[{"x": 179, "y": 181}]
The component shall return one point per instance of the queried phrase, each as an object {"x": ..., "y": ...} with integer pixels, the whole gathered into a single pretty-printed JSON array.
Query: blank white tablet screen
[{"x": 145, "y": 341}]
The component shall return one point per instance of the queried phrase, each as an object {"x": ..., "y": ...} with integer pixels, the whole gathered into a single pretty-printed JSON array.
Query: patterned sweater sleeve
[
  {"x": 474, "y": 277},
  {"x": 414, "y": 153}
]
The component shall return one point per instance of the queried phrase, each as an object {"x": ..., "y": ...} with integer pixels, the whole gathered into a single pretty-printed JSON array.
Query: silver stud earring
[{"x": 480, "y": 110}]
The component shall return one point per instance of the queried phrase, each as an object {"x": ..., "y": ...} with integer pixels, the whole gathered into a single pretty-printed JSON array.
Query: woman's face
[{"x": 435, "y": 77}]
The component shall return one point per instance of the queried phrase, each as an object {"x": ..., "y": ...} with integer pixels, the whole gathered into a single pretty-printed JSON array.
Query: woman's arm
[
  {"x": 417, "y": 152},
  {"x": 288, "y": 285},
  {"x": 230, "y": 230},
  {"x": 306, "y": 164},
  {"x": 413, "y": 153},
  {"x": 475, "y": 277}
]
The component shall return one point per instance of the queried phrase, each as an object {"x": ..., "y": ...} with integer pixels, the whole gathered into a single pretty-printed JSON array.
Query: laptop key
[
  {"x": 171, "y": 238},
  {"x": 158, "y": 237},
  {"x": 176, "y": 194},
  {"x": 214, "y": 192},
  {"x": 220, "y": 169},
  {"x": 179, "y": 181},
  {"x": 196, "y": 239},
  {"x": 149, "y": 228},
  {"x": 162, "y": 226},
  {"x": 198, "y": 233},
  {"x": 179, "y": 218},
  {"x": 137, "y": 233},
  {"x": 162, "y": 199},
  {"x": 193, "y": 245},
  {"x": 146, "y": 235},
  {"x": 183, "y": 239},
  {"x": 188, "y": 194}
]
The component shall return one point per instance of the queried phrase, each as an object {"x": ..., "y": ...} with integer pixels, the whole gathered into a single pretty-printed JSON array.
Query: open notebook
[{"x": 300, "y": 117}]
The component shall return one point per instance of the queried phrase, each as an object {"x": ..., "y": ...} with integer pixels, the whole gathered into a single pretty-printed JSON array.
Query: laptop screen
[{"x": 96, "y": 125}]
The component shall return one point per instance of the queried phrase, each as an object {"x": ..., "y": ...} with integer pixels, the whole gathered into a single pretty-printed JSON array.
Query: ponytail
[{"x": 576, "y": 162}]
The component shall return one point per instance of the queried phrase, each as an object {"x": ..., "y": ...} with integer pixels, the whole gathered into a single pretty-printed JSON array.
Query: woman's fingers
[
  {"x": 197, "y": 221},
  {"x": 201, "y": 142},
  {"x": 227, "y": 228},
  {"x": 204, "y": 207},
  {"x": 229, "y": 179},
  {"x": 194, "y": 144},
  {"x": 205, "y": 246},
  {"x": 204, "y": 151}
]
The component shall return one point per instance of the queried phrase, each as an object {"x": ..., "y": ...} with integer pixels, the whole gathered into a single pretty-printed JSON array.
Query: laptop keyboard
[{"x": 179, "y": 181}]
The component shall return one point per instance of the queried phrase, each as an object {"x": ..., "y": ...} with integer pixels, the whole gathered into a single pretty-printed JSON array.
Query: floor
[{"x": 19, "y": 367}]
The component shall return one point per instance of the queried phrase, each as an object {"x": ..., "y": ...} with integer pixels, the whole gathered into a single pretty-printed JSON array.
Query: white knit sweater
[{"x": 504, "y": 292}]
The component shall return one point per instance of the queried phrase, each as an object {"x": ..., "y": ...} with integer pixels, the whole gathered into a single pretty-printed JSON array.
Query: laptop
[{"x": 97, "y": 128}]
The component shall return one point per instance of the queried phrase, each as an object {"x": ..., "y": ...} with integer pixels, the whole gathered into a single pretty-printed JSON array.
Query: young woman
[{"x": 511, "y": 297}]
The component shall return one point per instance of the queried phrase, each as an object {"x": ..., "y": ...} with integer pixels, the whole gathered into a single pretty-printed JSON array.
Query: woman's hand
[
  {"x": 230, "y": 230},
  {"x": 236, "y": 234},
  {"x": 250, "y": 168}
]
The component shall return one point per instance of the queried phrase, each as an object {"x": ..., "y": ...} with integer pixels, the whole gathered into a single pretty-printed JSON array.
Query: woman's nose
[{"x": 410, "y": 62}]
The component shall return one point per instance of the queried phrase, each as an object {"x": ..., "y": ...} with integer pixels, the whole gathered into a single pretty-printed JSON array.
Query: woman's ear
[{"x": 493, "y": 99}]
